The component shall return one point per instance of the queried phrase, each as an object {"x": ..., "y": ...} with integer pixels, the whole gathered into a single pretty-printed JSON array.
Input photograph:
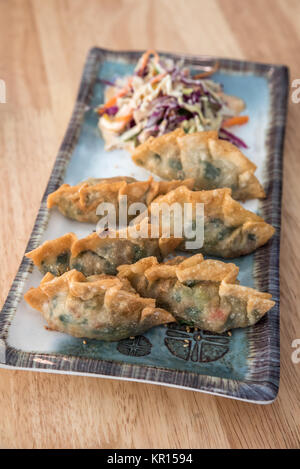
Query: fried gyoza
[
  {"x": 96, "y": 255},
  {"x": 98, "y": 307},
  {"x": 229, "y": 229},
  {"x": 200, "y": 293},
  {"x": 54, "y": 256},
  {"x": 80, "y": 202},
  {"x": 214, "y": 163}
]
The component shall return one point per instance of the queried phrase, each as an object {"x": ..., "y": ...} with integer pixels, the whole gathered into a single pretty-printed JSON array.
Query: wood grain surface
[{"x": 43, "y": 45}]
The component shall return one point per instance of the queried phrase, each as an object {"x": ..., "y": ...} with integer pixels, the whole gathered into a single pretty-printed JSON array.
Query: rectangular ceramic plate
[{"x": 242, "y": 366}]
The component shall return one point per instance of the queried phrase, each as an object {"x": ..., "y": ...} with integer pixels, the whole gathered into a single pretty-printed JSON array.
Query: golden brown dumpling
[
  {"x": 200, "y": 293},
  {"x": 95, "y": 254},
  {"x": 80, "y": 202},
  {"x": 229, "y": 229},
  {"x": 54, "y": 256},
  {"x": 213, "y": 162},
  {"x": 98, "y": 307}
]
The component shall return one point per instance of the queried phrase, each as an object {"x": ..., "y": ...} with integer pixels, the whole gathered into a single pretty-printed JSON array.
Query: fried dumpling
[
  {"x": 77, "y": 202},
  {"x": 54, "y": 256},
  {"x": 80, "y": 202},
  {"x": 96, "y": 254},
  {"x": 98, "y": 307},
  {"x": 213, "y": 162},
  {"x": 200, "y": 293},
  {"x": 229, "y": 229}
]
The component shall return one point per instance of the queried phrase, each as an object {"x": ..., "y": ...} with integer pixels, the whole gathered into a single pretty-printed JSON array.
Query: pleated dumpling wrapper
[
  {"x": 95, "y": 254},
  {"x": 199, "y": 293},
  {"x": 80, "y": 202},
  {"x": 98, "y": 307},
  {"x": 213, "y": 162},
  {"x": 54, "y": 255},
  {"x": 229, "y": 229}
]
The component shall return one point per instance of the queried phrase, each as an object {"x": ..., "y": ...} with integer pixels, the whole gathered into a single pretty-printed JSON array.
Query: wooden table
[{"x": 43, "y": 45}]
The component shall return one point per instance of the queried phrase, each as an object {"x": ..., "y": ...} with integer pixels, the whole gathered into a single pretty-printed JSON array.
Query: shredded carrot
[
  {"x": 157, "y": 78},
  {"x": 124, "y": 119},
  {"x": 113, "y": 100},
  {"x": 145, "y": 58},
  {"x": 108, "y": 104},
  {"x": 208, "y": 73},
  {"x": 238, "y": 120}
]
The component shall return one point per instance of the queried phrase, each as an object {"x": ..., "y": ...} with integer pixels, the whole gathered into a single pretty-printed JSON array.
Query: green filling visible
[
  {"x": 224, "y": 232},
  {"x": 63, "y": 258},
  {"x": 110, "y": 269},
  {"x": 45, "y": 268},
  {"x": 59, "y": 266},
  {"x": 190, "y": 283},
  {"x": 64, "y": 318},
  {"x": 176, "y": 296},
  {"x": 78, "y": 267},
  {"x": 157, "y": 157},
  {"x": 238, "y": 309},
  {"x": 69, "y": 209},
  {"x": 53, "y": 305},
  {"x": 90, "y": 263},
  {"x": 192, "y": 311},
  {"x": 211, "y": 172},
  {"x": 215, "y": 231},
  {"x": 138, "y": 253},
  {"x": 184, "y": 322},
  {"x": 175, "y": 164},
  {"x": 251, "y": 237}
]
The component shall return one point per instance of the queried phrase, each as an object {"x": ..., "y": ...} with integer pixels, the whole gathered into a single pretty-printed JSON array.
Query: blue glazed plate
[{"x": 244, "y": 365}]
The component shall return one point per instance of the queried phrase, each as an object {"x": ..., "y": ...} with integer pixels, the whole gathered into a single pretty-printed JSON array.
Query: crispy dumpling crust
[
  {"x": 54, "y": 255},
  {"x": 229, "y": 229},
  {"x": 201, "y": 293},
  {"x": 161, "y": 155},
  {"x": 81, "y": 201},
  {"x": 72, "y": 201},
  {"x": 96, "y": 254},
  {"x": 213, "y": 162},
  {"x": 98, "y": 307}
]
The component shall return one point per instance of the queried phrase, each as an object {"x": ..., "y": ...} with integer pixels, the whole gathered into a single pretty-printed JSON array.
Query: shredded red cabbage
[
  {"x": 111, "y": 111},
  {"x": 225, "y": 135},
  {"x": 165, "y": 113},
  {"x": 107, "y": 82}
]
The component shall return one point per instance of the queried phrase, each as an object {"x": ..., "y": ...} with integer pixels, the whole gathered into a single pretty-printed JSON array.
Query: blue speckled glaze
[
  {"x": 232, "y": 365},
  {"x": 253, "y": 89}
]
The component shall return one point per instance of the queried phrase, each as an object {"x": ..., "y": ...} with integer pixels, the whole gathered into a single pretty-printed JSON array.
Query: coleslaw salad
[{"x": 161, "y": 96}]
